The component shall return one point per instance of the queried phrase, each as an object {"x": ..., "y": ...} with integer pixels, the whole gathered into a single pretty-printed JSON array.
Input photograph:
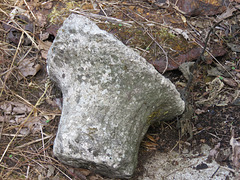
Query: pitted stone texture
[{"x": 110, "y": 97}]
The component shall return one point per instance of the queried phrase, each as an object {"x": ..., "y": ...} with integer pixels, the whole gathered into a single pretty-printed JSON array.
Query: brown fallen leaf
[
  {"x": 175, "y": 62},
  {"x": 47, "y": 5},
  {"x": 52, "y": 29},
  {"x": 6, "y": 108},
  {"x": 27, "y": 67},
  {"x": 235, "y": 151},
  {"x": 33, "y": 124},
  {"x": 151, "y": 138},
  {"x": 41, "y": 18},
  {"x": 199, "y": 7},
  {"x": 95, "y": 177},
  {"x": 238, "y": 75},
  {"x": 150, "y": 145},
  {"x": 213, "y": 152},
  {"x": 14, "y": 108},
  {"x": 238, "y": 1},
  {"x": 14, "y": 34},
  {"x": 51, "y": 170},
  {"x": 230, "y": 82},
  {"x": 234, "y": 47},
  {"x": 43, "y": 36},
  {"x": 20, "y": 108},
  {"x": 44, "y": 47},
  {"x": 229, "y": 12},
  {"x": 85, "y": 172},
  {"x": 199, "y": 111}
]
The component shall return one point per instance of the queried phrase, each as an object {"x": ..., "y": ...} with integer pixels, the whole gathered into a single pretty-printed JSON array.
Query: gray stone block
[{"x": 111, "y": 95}]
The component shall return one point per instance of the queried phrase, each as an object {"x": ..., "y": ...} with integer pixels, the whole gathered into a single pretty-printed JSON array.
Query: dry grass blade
[
  {"x": 43, "y": 144},
  {"x": 3, "y": 11},
  {"x": 30, "y": 9},
  {"x": 103, "y": 18},
  {"x": 26, "y": 101},
  {"x": 164, "y": 52},
  {"x": 27, "y": 34},
  {"x": 1, "y": 128},
  {"x": 38, "y": 102},
  {"x": 63, "y": 173},
  {"x": 14, "y": 58},
  {"x": 12, "y": 135},
  {"x": 35, "y": 141}
]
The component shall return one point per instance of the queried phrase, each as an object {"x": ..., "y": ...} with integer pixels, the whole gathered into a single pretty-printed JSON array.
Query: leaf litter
[
  {"x": 161, "y": 31},
  {"x": 27, "y": 67}
]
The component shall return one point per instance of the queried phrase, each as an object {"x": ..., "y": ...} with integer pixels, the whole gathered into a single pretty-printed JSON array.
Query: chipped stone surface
[{"x": 110, "y": 97}]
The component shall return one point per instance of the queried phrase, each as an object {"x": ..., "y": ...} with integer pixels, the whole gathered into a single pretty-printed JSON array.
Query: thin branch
[
  {"x": 202, "y": 53},
  {"x": 35, "y": 141},
  {"x": 164, "y": 52},
  {"x": 105, "y": 18},
  {"x": 30, "y": 9}
]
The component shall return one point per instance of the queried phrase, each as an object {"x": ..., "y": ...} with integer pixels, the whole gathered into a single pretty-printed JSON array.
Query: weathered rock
[{"x": 110, "y": 97}]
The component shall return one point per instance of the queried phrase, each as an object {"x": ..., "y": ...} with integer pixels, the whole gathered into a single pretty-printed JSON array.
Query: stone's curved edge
[
  {"x": 116, "y": 155},
  {"x": 98, "y": 168}
]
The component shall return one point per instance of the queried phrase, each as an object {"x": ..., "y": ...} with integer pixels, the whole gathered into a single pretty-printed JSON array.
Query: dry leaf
[
  {"x": 2, "y": 119},
  {"x": 17, "y": 11},
  {"x": 44, "y": 54},
  {"x": 6, "y": 108},
  {"x": 52, "y": 29},
  {"x": 43, "y": 36},
  {"x": 51, "y": 170},
  {"x": 95, "y": 177},
  {"x": 150, "y": 144},
  {"x": 179, "y": 31},
  {"x": 183, "y": 19},
  {"x": 20, "y": 108},
  {"x": 81, "y": 173},
  {"x": 15, "y": 108},
  {"x": 151, "y": 138},
  {"x": 27, "y": 67},
  {"x": 85, "y": 172},
  {"x": 44, "y": 47},
  {"x": 229, "y": 12},
  {"x": 213, "y": 153},
  {"x": 33, "y": 124},
  {"x": 199, "y": 111},
  {"x": 47, "y": 5},
  {"x": 41, "y": 18},
  {"x": 238, "y": 75},
  {"x": 24, "y": 131},
  {"x": 234, "y": 47},
  {"x": 230, "y": 82},
  {"x": 236, "y": 151}
]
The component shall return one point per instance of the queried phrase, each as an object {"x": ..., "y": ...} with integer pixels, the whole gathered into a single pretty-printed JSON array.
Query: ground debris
[
  {"x": 142, "y": 25},
  {"x": 236, "y": 151}
]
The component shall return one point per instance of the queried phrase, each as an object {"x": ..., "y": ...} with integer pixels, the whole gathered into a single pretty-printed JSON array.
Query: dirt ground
[{"x": 30, "y": 104}]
